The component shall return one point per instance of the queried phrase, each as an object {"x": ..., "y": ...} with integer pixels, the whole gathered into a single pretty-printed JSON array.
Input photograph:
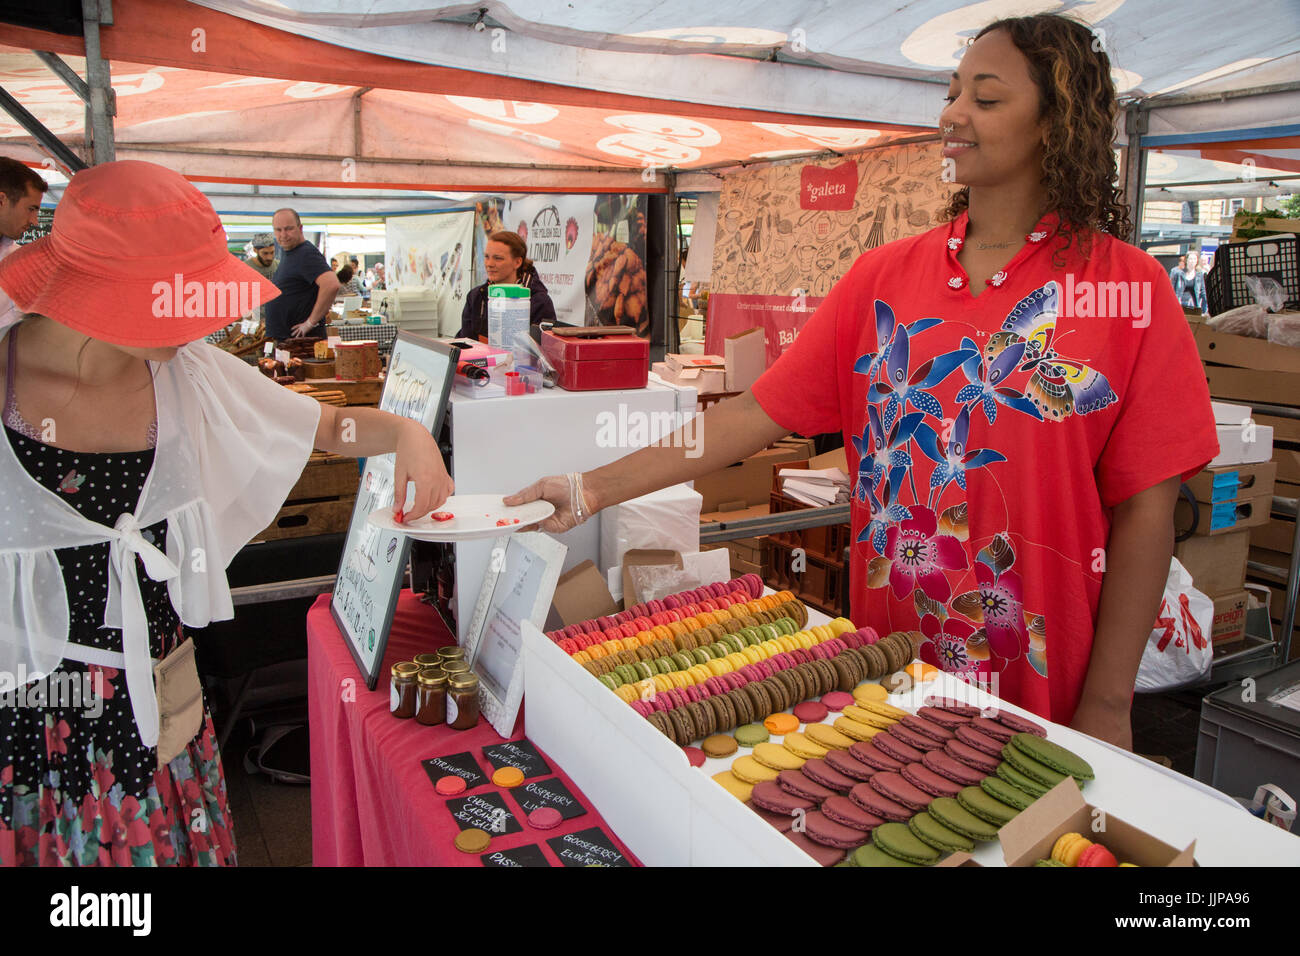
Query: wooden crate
[
  {"x": 320, "y": 502},
  {"x": 366, "y": 391}
]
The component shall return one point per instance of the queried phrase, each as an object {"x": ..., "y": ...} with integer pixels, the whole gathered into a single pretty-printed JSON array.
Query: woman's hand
[
  {"x": 561, "y": 491},
  {"x": 419, "y": 460},
  {"x": 1108, "y": 722}
]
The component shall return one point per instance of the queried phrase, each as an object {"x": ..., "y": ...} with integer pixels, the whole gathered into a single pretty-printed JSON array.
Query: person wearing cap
[
  {"x": 307, "y": 283},
  {"x": 20, "y": 206},
  {"x": 137, "y": 460},
  {"x": 263, "y": 257}
]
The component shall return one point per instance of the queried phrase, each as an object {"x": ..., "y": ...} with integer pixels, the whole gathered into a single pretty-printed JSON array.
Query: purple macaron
[
  {"x": 794, "y": 781},
  {"x": 896, "y": 787},
  {"x": 822, "y": 829},
  {"x": 845, "y": 811},
  {"x": 819, "y": 771},
  {"x": 980, "y": 741},
  {"x": 926, "y": 728},
  {"x": 878, "y": 805},
  {"x": 927, "y": 781},
  {"x": 843, "y": 762},
  {"x": 769, "y": 796},
  {"x": 975, "y": 759},
  {"x": 946, "y": 765},
  {"x": 1020, "y": 724}
]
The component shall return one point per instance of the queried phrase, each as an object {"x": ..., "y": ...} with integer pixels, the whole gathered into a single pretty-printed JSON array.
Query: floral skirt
[{"x": 181, "y": 818}]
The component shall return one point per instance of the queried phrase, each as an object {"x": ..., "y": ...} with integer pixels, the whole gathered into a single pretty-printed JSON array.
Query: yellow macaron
[
  {"x": 734, "y": 785},
  {"x": 777, "y": 757},
  {"x": 826, "y": 736},
  {"x": 801, "y": 745},
  {"x": 750, "y": 771},
  {"x": 869, "y": 717},
  {"x": 852, "y": 728}
]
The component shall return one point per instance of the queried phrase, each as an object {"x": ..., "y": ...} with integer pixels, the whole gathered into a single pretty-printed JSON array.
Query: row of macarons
[
  {"x": 649, "y": 645},
  {"x": 888, "y": 780},
  {"x": 680, "y": 626},
  {"x": 661, "y": 611},
  {"x": 734, "y": 653},
  {"x": 1075, "y": 849},
  {"x": 780, "y": 683},
  {"x": 758, "y": 663}
]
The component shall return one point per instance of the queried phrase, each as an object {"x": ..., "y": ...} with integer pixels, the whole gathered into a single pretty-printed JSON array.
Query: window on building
[{"x": 1191, "y": 212}]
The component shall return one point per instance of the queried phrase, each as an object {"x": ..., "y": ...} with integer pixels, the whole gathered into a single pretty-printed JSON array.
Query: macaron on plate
[{"x": 471, "y": 517}]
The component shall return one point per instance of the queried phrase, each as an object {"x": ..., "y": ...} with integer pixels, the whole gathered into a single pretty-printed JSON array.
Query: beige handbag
[{"x": 180, "y": 701}]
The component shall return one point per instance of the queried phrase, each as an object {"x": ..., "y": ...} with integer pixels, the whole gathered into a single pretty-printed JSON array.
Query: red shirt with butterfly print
[{"x": 989, "y": 437}]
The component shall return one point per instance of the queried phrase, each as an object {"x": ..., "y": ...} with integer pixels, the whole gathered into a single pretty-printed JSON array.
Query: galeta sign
[{"x": 834, "y": 189}]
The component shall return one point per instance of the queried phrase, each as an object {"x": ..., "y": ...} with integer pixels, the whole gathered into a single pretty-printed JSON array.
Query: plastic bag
[
  {"x": 1285, "y": 329},
  {"x": 1178, "y": 651},
  {"x": 1267, "y": 292},
  {"x": 1252, "y": 320}
]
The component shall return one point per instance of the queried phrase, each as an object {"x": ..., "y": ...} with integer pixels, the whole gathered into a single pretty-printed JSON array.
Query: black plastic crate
[{"x": 1274, "y": 257}]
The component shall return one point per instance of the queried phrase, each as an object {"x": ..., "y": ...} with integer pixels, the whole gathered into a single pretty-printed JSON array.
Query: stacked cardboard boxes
[{"x": 1250, "y": 371}]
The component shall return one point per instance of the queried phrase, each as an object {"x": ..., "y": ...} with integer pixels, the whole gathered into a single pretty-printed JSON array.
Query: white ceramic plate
[{"x": 476, "y": 516}]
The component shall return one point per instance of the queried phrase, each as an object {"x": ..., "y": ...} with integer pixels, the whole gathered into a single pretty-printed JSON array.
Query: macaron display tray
[{"x": 672, "y": 814}]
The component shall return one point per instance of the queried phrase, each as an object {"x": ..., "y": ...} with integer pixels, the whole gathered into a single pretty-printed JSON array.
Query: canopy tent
[{"x": 563, "y": 97}]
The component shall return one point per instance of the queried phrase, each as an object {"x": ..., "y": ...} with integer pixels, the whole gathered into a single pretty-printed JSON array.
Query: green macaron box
[{"x": 1030, "y": 836}]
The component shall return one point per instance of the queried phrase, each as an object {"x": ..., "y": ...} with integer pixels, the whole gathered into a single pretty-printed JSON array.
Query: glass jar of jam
[
  {"x": 462, "y": 701},
  {"x": 452, "y": 668},
  {"x": 447, "y": 654},
  {"x": 431, "y": 696},
  {"x": 402, "y": 690},
  {"x": 428, "y": 660}
]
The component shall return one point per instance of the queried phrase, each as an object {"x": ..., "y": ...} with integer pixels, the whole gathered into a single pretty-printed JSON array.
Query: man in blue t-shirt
[{"x": 307, "y": 284}]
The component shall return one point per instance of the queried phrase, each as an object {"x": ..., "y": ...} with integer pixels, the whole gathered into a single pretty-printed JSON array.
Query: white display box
[{"x": 672, "y": 814}]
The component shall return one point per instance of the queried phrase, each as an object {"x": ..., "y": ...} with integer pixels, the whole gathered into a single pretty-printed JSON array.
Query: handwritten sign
[
  {"x": 530, "y": 855},
  {"x": 461, "y": 765},
  {"x": 487, "y": 811},
  {"x": 548, "y": 793},
  {"x": 587, "y": 848},
  {"x": 517, "y": 753},
  {"x": 373, "y": 566}
]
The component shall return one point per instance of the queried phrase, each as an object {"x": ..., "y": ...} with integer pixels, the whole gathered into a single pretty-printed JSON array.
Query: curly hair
[{"x": 1077, "y": 97}]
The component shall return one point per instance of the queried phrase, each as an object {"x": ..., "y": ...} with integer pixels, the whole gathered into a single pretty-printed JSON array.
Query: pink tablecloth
[{"x": 372, "y": 803}]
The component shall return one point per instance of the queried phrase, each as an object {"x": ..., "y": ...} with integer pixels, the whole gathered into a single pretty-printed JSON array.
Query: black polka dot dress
[{"x": 77, "y": 786}]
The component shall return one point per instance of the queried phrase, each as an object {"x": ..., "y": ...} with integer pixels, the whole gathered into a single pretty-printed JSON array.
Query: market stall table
[{"x": 372, "y": 802}]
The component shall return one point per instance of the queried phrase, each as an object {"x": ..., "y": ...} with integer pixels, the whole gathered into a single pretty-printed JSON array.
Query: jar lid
[
  {"x": 432, "y": 676},
  {"x": 452, "y": 668},
  {"x": 451, "y": 653},
  {"x": 405, "y": 670},
  {"x": 425, "y": 660},
  {"x": 463, "y": 681}
]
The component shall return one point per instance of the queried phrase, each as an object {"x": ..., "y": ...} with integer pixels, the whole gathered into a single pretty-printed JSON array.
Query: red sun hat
[{"x": 136, "y": 256}]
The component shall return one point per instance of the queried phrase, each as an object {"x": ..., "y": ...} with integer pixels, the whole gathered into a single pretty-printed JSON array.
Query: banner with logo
[
  {"x": 787, "y": 233},
  {"x": 558, "y": 231},
  {"x": 434, "y": 253}
]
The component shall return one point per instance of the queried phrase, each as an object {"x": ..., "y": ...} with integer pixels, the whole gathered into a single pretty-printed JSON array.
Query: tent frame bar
[
  {"x": 102, "y": 105},
  {"x": 52, "y": 145},
  {"x": 66, "y": 73},
  {"x": 1190, "y": 99}
]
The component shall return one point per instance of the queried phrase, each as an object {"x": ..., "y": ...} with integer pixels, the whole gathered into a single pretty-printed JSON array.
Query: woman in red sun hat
[{"x": 137, "y": 461}]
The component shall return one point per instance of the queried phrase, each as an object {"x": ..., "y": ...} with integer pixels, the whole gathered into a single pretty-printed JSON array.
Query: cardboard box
[
  {"x": 581, "y": 594},
  {"x": 735, "y": 513},
  {"x": 1217, "y": 563},
  {"x": 644, "y": 558},
  {"x": 1224, "y": 516},
  {"x": 1277, "y": 534},
  {"x": 1229, "y": 618},
  {"x": 1255, "y": 385},
  {"x": 1029, "y": 837},
  {"x": 705, "y": 381},
  {"x": 746, "y": 359},
  {"x": 745, "y": 483},
  {"x": 1243, "y": 351},
  {"x": 1229, "y": 482},
  {"x": 1284, "y": 429},
  {"x": 1243, "y": 445},
  {"x": 1225, "y": 413},
  {"x": 1288, "y": 465}
]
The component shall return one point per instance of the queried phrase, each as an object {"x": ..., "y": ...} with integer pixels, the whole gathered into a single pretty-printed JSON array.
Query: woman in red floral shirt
[{"x": 1019, "y": 393}]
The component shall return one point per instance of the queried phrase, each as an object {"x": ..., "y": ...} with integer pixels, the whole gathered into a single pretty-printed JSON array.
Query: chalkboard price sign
[{"x": 370, "y": 575}]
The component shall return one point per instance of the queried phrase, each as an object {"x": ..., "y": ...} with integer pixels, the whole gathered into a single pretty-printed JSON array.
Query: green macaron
[
  {"x": 987, "y": 807},
  {"x": 900, "y": 842},
  {"x": 1026, "y": 773},
  {"x": 751, "y": 735},
  {"x": 1008, "y": 793},
  {"x": 933, "y": 833},
  {"x": 1049, "y": 863},
  {"x": 1053, "y": 756},
  {"x": 869, "y": 855},
  {"x": 957, "y": 818}
]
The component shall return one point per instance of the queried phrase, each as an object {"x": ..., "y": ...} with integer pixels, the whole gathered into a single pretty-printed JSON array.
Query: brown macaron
[
  {"x": 877, "y": 662},
  {"x": 830, "y": 679},
  {"x": 741, "y": 705},
  {"x": 719, "y": 745},
  {"x": 844, "y": 673},
  {"x": 723, "y": 713},
  {"x": 702, "y": 716},
  {"x": 659, "y": 721},
  {"x": 759, "y": 699},
  {"x": 778, "y": 691},
  {"x": 683, "y": 726},
  {"x": 893, "y": 653}
]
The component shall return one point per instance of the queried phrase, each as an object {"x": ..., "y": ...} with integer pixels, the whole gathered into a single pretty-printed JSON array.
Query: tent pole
[
  {"x": 673, "y": 261},
  {"x": 56, "y": 148},
  {"x": 1134, "y": 172},
  {"x": 102, "y": 106}
]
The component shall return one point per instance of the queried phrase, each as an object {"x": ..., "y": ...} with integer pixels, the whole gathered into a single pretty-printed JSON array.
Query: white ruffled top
[{"x": 231, "y": 444}]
